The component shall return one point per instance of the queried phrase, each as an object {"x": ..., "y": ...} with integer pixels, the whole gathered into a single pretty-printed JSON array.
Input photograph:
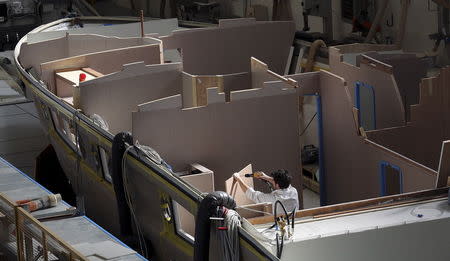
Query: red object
[
  {"x": 82, "y": 77},
  {"x": 222, "y": 228}
]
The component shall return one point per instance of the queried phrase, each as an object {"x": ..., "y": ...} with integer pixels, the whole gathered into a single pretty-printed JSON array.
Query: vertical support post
[
  {"x": 444, "y": 166},
  {"x": 19, "y": 235},
  {"x": 28, "y": 248},
  {"x": 322, "y": 184},
  {"x": 44, "y": 246},
  {"x": 358, "y": 101},
  {"x": 142, "y": 23}
]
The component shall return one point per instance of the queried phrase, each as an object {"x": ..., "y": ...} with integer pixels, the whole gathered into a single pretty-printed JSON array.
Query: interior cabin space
[{"x": 211, "y": 104}]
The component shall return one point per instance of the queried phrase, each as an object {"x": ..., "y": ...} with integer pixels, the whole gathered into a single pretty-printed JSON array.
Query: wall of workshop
[{"x": 422, "y": 21}]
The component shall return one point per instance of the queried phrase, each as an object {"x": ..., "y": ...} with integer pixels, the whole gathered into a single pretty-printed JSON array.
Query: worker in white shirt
[{"x": 283, "y": 191}]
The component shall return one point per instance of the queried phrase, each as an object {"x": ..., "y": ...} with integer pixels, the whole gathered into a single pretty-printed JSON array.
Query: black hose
[
  {"x": 207, "y": 208},
  {"x": 280, "y": 245},
  {"x": 293, "y": 217},
  {"x": 118, "y": 148},
  {"x": 284, "y": 209}
]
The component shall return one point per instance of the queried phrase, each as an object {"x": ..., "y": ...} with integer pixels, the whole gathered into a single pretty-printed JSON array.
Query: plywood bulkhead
[
  {"x": 351, "y": 162},
  {"x": 34, "y": 54},
  {"x": 227, "y": 49},
  {"x": 105, "y": 62},
  {"x": 116, "y": 95},
  {"x": 226, "y": 136},
  {"x": 421, "y": 139},
  {"x": 389, "y": 108}
]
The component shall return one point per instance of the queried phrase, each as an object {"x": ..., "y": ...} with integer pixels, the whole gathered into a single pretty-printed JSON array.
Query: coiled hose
[
  {"x": 228, "y": 234},
  {"x": 208, "y": 208}
]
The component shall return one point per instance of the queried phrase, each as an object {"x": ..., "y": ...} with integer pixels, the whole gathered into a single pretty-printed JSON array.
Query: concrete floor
[
  {"x": 21, "y": 136},
  {"x": 310, "y": 199}
]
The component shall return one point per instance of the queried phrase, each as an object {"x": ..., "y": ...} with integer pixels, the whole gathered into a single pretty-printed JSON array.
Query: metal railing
[{"x": 28, "y": 238}]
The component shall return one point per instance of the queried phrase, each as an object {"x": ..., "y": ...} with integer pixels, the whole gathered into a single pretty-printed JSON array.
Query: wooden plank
[
  {"x": 355, "y": 112},
  {"x": 360, "y": 205},
  {"x": 376, "y": 64},
  {"x": 92, "y": 72},
  {"x": 444, "y": 165},
  {"x": 260, "y": 73},
  {"x": 202, "y": 83},
  {"x": 289, "y": 61}
]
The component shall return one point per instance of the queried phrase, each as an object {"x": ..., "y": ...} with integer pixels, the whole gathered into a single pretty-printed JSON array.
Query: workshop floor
[
  {"x": 310, "y": 199},
  {"x": 21, "y": 136}
]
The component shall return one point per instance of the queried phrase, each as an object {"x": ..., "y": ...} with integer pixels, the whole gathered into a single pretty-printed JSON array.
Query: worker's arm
[
  {"x": 262, "y": 175},
  {"x": 241, "y": 183},
  {"x": 255, "y": 196}
]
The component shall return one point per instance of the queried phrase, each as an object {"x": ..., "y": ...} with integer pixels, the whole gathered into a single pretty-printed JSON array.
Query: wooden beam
[
  {"x": 92, "y": 71},
  {"x": 362, "y": 205}
]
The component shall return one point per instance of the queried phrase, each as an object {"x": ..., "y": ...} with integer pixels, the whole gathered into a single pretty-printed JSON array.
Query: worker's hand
[
  {"x": 236, "y": 176},
  {"x": 260, "y": 175}
]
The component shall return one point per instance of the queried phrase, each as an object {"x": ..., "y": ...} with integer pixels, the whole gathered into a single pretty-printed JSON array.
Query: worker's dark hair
[{"x": 282, "y": 178}]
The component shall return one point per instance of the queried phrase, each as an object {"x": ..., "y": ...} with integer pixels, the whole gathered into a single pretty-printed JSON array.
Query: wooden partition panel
[
  {"x": 408, "y": 72},
  {"x": 34, "y": 54},
  {"x": 115, "y": 96},
  {"x": 351, "y": 162},
  {"x": 226, "y": 136},
  {"x": 105, "y": 62},
  {"x": 216, "y": 50},
  {"x": 421, "y": 139},
  {"x": 389, "y": 108}
]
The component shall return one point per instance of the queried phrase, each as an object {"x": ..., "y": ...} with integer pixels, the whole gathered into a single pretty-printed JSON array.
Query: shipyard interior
[{"x": 224, "y": 130}]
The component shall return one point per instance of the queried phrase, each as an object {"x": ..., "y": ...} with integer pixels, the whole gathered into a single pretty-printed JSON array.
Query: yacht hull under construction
[{"x": 140, "y": 199}]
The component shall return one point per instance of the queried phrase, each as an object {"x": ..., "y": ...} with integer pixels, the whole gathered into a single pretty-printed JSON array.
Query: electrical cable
[
  {"x": 141, "y": 239},
  {"x": 309, "y": 123}
]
